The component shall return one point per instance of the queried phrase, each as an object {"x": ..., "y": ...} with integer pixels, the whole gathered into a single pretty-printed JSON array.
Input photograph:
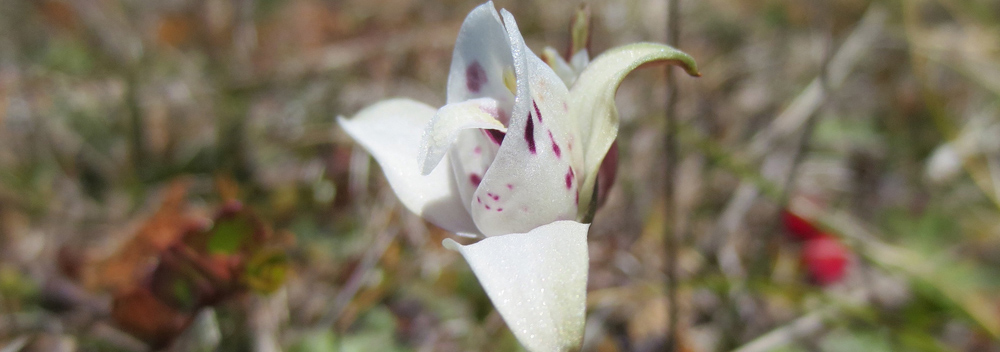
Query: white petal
[
  {"x": 580, "y": 60},
  {"x": 534, "y": 178},
  {"x": 559, "y": 65},
  {"x": 470, "y": 133},
  {"x": 481, "y": 58},
  {"x": 391, "y": 130},
  {"x": 592, "y": 98},
  {"x": 471, "y": 156},
  {"x": 537, "y": 281},
  {"x": 451, "y": 119}
]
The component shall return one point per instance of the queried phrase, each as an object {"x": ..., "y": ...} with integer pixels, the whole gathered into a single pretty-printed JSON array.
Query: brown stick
[{"x": 670, "y": 149}]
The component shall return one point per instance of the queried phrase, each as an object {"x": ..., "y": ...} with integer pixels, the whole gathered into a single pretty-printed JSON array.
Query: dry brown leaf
[
  {"x": 174, "y": 30},
  {"x": 142, "y": 314},
  {"x": 59, "y": 14},
  {"x": 137, "y": 256}
]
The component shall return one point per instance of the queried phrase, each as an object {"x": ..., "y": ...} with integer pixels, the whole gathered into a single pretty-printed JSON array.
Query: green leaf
[
  {"x": 316, "y": 341},
  {"x": 376, "y": 332},
  {"x": 850, "y": 341},
  {"x": 229, "y": 234},
  {"x": 69, "y": 56},
  {"x": 266, "y": 271}
]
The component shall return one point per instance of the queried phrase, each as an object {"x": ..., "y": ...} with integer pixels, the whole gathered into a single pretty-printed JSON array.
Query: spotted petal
[
  {"x": 391, "y": 131},
  {"x": 481, "y": 60},
  {"x": 537, "y": 281},
  {"x": 470, "y": 133},
  {"x": 592, "y": 99},
  {"x": 534, "y": 178},
  {"x": 450, "y": 120}
]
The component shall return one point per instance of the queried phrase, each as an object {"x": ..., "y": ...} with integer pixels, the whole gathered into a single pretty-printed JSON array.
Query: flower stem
[{"x": 670, "y": 149}]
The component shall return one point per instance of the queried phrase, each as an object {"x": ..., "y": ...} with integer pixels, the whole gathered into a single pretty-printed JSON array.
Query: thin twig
[
  {"x": 767, "y": 240},
  {"x": 975, "y": 166},
  {"x": 790, "y": 120},
  {"x": 803, "y": 326},
  {"x": 16, "y": 345},
  {"x": 381, "y": 218},
  {"x": 670, "y": 151},
  {"x": 863, "y": 239},
  {"x": 809, "y": 100}
]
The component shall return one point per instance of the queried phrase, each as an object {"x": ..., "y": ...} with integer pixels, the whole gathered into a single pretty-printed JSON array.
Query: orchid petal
[
  {"x": 481, "y": 59},
  {"x": 592, "y": 99},
  {"x": 537, "y": 281},
  {"x": 444, "y": 128},
  {"x": 580, "y": 60},
  {"x": 390, "y": 131},
  {"x": 534, "y": 178},
  {"x": 471, "y": 156},
  {"x": 559, "y": 65}
]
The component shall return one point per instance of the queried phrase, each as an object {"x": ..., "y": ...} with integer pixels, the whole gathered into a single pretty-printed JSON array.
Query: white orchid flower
[{"x": 514, "y": 156}]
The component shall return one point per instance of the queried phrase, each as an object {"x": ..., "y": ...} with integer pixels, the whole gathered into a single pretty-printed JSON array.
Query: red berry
[
  {"x": 825, "y": 258},
  {"x": 799, "y": 228}
]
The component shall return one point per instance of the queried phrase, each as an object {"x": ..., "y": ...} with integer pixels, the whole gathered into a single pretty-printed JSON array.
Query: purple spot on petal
[
  {"x": 475, "y": 76},
  {"x": 565, "y": 107},
  {"x": 488, "y": 207},
  {"x": 477, "y": 150},
  {"x": 479, "y": 200},
  {"x": 538, "y": 113},
  {"x": 495, "y": 135},
  {"x": 569, "y": 178},
  {"x": 555, "y": 147},
  {"x": 499, "y": 209},
  {"x": 529, "y": 135},
  {"x": 475, "y": 179},
  {"x": 494, "y": 196},
  {"x": 510, "y": 186}
]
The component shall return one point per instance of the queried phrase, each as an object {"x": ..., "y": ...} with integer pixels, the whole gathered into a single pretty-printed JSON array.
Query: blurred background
[{"x": 172, "y": 177}]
